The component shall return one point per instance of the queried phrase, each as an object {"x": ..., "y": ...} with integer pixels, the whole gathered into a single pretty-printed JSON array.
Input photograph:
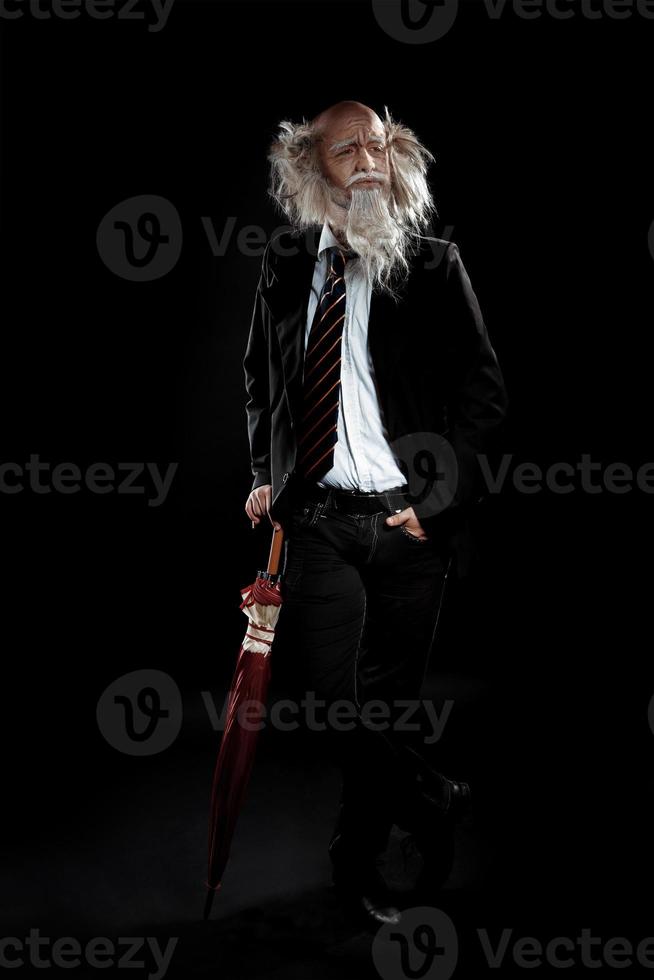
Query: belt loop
[{"x": 392, "y": 499}]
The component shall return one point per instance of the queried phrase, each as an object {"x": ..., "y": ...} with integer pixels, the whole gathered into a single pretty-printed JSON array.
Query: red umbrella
[{"x": 261, "y": 604}]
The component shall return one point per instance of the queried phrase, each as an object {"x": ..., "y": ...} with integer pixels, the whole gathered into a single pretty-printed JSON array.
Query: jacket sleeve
[
  {"x": 256, "y": 367},
  {"x": 477, "y": 399}
]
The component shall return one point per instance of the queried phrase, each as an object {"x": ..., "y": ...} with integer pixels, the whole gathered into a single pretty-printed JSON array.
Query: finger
[
  {"x": 272, "y": 520},
  {"x": 257, "y": 507},
  {"x": 253, "y": 519},
  {"x": 399, "y": 517},
  {"x": 252, "y": 510},
  {"x": 415, "y": 527}
]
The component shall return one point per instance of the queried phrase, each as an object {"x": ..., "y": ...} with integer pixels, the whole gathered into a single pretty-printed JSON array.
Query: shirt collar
[{"x": 327, "y": 240}]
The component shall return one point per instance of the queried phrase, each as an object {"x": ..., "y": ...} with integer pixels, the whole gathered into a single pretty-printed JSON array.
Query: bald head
[
  {"x": 352, "y": 151},
  {"x": 347, "y": 113}
]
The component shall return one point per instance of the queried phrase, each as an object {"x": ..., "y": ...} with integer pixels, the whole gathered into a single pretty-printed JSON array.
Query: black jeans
[{"x": 361, "y": 603}]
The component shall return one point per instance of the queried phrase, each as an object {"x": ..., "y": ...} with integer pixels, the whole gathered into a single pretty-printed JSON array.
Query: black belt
[{"x": 354, "y": 501}]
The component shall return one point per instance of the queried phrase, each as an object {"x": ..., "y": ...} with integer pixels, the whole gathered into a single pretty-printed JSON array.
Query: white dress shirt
[{"x": 362, "y": 455}]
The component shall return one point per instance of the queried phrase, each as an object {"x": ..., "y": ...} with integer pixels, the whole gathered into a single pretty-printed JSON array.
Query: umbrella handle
[{"x": 275, "y": 550}]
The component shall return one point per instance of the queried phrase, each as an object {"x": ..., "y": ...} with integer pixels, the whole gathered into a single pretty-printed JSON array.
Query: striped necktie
[{"x": 322, "y": 376}]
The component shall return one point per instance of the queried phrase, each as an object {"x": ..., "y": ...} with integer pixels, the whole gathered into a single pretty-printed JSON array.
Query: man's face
[{"x": 352, "y": 152}]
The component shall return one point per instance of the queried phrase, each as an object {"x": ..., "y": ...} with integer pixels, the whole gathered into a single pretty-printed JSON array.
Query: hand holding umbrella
[{"x": 261, "y": 604}]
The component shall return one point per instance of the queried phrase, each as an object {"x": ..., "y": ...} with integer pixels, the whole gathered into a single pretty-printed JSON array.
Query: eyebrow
[{"x": 350, "y": 142}]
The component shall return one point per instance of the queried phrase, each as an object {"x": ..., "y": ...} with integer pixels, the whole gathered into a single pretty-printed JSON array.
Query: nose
[{"x": 365, "y": 161}]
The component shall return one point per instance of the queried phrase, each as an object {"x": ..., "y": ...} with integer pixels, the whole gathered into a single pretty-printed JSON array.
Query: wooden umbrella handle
[{"x": 275, "y": 550}]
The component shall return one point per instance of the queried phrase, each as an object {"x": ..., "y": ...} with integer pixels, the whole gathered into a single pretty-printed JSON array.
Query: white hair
[{"x": 383, "y": 231}]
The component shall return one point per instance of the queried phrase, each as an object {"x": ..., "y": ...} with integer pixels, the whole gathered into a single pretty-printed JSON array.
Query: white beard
[{"x": 366, "y": 223}]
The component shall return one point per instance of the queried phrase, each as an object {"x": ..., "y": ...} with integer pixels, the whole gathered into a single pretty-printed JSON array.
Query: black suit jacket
[{"x": 435, "y": 370}]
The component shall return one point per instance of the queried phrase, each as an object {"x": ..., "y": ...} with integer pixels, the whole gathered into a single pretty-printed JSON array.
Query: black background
[{"x": 542, "y": 133}]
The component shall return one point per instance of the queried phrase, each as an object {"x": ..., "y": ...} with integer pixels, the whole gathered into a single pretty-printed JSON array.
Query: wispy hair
[{"x": 383, "y": 231}]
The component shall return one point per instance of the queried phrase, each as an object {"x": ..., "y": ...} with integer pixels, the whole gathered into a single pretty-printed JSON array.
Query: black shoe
[
  {"x": 448, "y": 796},
  {"x": 434, "y": 800},
  {"x": 459, "y": 802},
  {"x": 361, "y": 886}
]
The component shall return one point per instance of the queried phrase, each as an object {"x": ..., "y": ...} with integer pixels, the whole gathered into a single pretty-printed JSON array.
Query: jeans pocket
[
  {"x": 412, "y": 536},
  {"x": 305, "y": 515}
]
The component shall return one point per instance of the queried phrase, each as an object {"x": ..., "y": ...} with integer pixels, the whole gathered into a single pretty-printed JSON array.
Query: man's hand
[
  {"x": 258, "y": 504},
  {"x": 409, "y": 518}
]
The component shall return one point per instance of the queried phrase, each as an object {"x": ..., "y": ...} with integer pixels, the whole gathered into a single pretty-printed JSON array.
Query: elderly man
[{"x": 371, "y": 345}]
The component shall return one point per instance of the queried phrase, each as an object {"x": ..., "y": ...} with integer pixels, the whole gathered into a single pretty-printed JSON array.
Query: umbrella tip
[{"x": 208, "y": 902}]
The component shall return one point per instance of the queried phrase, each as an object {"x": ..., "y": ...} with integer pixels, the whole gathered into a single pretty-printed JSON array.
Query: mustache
[{"x": 373, "y": 175}]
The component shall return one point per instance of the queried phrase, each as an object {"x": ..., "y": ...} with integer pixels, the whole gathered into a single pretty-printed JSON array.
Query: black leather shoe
[
  {"x": 361, "y": 887},
  {"x": 459, "y": 801},
  {"x": 447, "y": 796}
]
